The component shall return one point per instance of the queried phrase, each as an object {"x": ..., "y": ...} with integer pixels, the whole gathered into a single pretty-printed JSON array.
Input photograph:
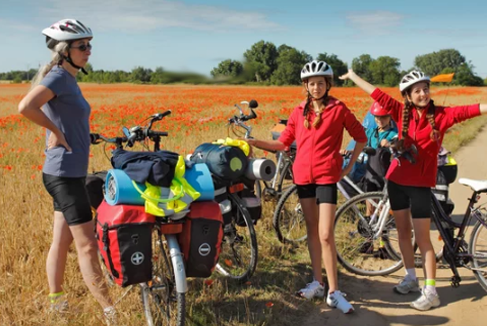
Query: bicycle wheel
[
  {"x": 163, "y": 305},
  {"x": 288, "y": 219},
  {"x": 360, "y": 247},
  {"x": 477, "y": 248},
  {"x": 238, "y": 256}
]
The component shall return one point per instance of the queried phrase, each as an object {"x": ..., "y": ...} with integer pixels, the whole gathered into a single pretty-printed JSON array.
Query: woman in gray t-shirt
[{"x": 65, "y": 115}]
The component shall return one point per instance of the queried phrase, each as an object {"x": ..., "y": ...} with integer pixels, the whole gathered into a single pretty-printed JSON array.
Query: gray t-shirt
[{"x": 70, "y": 112}]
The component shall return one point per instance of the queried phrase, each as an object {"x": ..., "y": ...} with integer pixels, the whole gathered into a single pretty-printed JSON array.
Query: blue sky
[{"x": 191, "y": 35}]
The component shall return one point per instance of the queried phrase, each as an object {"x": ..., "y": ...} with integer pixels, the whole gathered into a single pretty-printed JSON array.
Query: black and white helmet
[
  {"x": 316, "y": 68},
  {"x": 66, "y": 30},
  {"x": 412, "y": 78}
]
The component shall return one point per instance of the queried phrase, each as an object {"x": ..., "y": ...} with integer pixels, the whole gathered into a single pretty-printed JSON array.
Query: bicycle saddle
[{"x": 476, "y": 185}]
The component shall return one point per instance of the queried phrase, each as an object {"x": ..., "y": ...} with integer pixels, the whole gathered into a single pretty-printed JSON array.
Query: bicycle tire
[
  {"x": 288, "y": 220},
  {"x": 481, "y": 276},
  {"x": 163, "y": 305},
  {"x": 355, "y": 243},
  {"x": 240, "y": 241}
]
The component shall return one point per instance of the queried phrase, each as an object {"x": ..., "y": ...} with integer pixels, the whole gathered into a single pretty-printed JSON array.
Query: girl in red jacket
[
  {"x": 423, "y": 124},
  {"x": 317, "y": 126}
]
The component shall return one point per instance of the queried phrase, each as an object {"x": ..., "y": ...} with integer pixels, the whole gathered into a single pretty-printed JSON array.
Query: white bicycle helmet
[
  {"x": 66, "y": 30},
  {"x": 412, "y": 78},
  {"x": 316, "y": 68}
]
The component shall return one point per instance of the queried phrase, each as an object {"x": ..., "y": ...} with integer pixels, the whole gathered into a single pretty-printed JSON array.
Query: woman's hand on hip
[{"x": 58, "y": 140}]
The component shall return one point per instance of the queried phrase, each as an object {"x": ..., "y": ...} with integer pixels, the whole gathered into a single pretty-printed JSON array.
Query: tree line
[{"x": 266, "y": 64}]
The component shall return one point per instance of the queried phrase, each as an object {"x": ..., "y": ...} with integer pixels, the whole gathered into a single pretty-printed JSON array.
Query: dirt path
[{"x": 377, "y": 305}]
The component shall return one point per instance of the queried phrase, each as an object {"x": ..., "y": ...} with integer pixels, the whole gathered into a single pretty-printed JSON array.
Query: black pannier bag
[
  {"x": 123, "y": 234},
  {"x": 376, "y": 167},
  {"x": 94, "y": 187},
  {"x": 441, "y": 192},
  {"x": 251, "y": 202},
  {"x": 225, "y": 162},
  {"x": 201, "y": 238}
]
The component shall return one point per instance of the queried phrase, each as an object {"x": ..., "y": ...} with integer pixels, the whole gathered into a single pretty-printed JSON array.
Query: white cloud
[
  {"x": 140, "y": 15},
  {"x": 377, "y": 22}
]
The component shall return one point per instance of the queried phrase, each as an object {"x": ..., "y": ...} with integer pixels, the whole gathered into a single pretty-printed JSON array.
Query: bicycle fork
[{"x": 178, "y": 263}]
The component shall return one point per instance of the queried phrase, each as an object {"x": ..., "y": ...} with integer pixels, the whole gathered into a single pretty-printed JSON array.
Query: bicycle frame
[
  {"x": 352, "y": 184},
  {"x": 452, "y": 242}
]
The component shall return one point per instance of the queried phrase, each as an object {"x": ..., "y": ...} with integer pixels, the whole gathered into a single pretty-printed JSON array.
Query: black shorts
[
  {"x": 416, "y": 198},
  {"x": 70, "y": 197},
  {"x": 324, "y": 194}
]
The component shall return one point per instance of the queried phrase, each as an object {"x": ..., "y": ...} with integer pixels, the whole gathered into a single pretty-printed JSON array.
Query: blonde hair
[{"x": 56, "y": 59}]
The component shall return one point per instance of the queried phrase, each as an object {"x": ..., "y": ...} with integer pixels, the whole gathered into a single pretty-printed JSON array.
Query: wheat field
[{"x": 199, "y": 114}]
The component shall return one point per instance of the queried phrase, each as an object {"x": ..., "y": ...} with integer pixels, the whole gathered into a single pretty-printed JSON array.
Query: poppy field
[{"x": 199, "y": 114}]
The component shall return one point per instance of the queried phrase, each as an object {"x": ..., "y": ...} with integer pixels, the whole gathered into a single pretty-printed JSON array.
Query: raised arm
[{"x": 366, "y": 86}]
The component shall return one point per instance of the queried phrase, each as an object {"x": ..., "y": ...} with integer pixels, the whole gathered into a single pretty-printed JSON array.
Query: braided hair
[
  {"x": 430, "y": 115},
  {"x": 324, "y": 102}
]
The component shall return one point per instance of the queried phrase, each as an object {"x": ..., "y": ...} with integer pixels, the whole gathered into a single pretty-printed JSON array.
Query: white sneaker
[
  {"x": 426, "y": 301},
  {"x": 407, "y": 285},
  {"x": 110, "y": 315},
  {"x": 337, "y": 300},
  {"x": 59, "y": 304},
  {"x": 312, "y": 290}
]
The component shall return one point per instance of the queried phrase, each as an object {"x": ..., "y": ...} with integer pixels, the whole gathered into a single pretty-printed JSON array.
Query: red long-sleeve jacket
[
  {"x": 318, "y": 159},
  {"x": 423, "y": 172}
]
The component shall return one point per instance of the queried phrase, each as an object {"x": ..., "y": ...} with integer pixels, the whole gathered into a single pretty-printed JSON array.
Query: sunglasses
[{"x": 83, "y": 47}]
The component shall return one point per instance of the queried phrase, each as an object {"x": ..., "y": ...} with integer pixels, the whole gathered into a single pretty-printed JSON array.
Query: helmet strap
[{"x": 70, "y": 61}]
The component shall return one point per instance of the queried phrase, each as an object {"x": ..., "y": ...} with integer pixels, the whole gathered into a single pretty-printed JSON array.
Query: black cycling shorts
[
  {"x": 416, "y": 198},
  {"x": 324, "y": 194},
  {"x": 70, "y": 197}
]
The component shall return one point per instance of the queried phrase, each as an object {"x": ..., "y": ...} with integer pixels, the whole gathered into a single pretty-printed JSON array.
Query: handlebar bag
[
  {"x": 226, "y": 162},
  {"x": 123, "y": 235},
  {"x": 156, "y": 168},
  {"x": 201, "y": 238}
]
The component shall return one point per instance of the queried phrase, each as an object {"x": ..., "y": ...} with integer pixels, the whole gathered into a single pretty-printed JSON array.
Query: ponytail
[
  {"x": 57, "y": 59},
  {"x": 435, "y": 134}
]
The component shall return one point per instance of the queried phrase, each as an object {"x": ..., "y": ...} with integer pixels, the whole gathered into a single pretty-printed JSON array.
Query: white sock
[
  {"x": 411, "y": 273},
  {"x": 430, "y": 289}
]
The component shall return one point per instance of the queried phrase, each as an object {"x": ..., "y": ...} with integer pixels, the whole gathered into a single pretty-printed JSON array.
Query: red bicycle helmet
[{"x": 377, "y": 110}]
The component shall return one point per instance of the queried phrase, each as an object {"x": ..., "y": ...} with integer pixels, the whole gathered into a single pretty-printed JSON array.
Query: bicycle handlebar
[{"x": 136, "y": 133}]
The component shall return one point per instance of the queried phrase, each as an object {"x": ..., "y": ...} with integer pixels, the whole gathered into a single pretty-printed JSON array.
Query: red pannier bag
[
  {"x": 123, "y": 234},
  {"x": 201, "y": 238}
]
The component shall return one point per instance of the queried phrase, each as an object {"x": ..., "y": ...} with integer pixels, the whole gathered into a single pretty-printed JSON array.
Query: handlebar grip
[
  {"x": 94, "y": 138},
  {"x": 165, "y": 114},
  {"x": 158, "y": 133}
]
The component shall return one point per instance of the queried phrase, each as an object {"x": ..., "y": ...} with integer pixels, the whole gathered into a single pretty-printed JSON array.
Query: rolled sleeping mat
[
  {"x": 199, "y": 177},
  {"x": 119, "y": 189},
  {"x": 261, "y": 168}
]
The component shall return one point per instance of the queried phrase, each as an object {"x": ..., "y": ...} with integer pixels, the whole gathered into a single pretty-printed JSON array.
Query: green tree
[
  {"x": 228, "y": 68},
  {"x": 385, "y": 71},
  {"x": 432, "y": 64},
  {"x": 140, "y": 75},
  {"x": 289, "y": 62},
  {"x": 361, "y": 66},
  {"x": 339, "y": 67},
  {"x": 464, "y": 76},
  {"x": 261, "y": 60}
]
